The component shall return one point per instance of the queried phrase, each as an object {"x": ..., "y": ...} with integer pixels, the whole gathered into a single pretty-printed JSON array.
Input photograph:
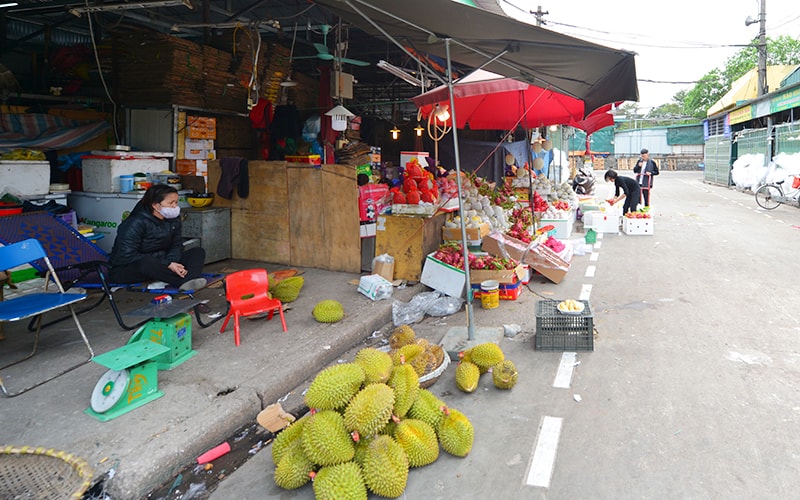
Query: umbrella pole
[
  {"x": 465, "y": 249},
  {"x": 528, "y": 139}
]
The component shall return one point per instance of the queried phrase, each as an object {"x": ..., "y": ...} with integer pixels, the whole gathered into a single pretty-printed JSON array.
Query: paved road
[{"x": 691, "y": 390}]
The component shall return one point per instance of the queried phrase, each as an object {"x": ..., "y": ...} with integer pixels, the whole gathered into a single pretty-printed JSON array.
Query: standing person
[
  {"x": 630, "y": 191},
  {"x": 645, "y": 169},
  {"x": 149, "y": 246}
]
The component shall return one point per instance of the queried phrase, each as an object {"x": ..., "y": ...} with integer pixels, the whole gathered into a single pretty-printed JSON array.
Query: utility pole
[
  {"x": 762, "y": 49},
  {"x": 540, "y": 15}
]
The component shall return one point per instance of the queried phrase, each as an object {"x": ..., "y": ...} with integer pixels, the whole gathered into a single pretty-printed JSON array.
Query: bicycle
[{"x": 770, "y": 196}]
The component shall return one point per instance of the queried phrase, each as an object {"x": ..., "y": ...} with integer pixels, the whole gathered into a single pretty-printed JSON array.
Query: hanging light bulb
[
  {"x": 395, "y": 132},
  {"x": 339, "y": 116},
  {"x": 441, "y": 113},
  {"x": 418, "y": 129}
]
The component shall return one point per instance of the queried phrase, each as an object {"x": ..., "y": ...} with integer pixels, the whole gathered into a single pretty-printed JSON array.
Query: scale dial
[{"x": 109, "y": 389}]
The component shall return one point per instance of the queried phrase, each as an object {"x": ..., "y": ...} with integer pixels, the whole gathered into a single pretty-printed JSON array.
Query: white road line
[
  {"x": 598, "y": 245},
  {"x": 544, "y": 453},
  {"x": 594, "y": 256},
  {"x": 590, "y": 271},
  {"x": 586, "y": 291},
  {"x": 566, "y": 368}
]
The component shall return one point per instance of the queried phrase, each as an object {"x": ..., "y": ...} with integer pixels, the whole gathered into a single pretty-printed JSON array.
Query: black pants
[
  {"x": 646, "y": 196},
  {"x": 631, "y": 202},
  {"x": 152, "y": 269}
]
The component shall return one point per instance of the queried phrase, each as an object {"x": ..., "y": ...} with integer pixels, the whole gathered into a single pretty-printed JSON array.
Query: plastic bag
[
  {"x": 444, "y": 306},
  {"x": 384, "y": 265},
  {"x": 414, "y": 310}
]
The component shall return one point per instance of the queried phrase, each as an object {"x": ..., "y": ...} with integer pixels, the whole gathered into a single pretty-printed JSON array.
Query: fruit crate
[
  {"x": 638, "y": 226},
  {"x": 556, "y": 331}
]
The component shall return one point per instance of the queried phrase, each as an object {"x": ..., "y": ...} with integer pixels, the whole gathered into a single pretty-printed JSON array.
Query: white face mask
[{"x": 169, "y": 212}]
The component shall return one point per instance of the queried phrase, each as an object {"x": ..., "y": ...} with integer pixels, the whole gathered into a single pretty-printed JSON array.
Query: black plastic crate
[{"x": 556, "y": 331}]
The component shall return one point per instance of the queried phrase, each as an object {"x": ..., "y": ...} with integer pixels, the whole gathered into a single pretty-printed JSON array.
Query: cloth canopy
[
  {"x": 45, "y": 132},
  {"x": 595, "y": 74}
]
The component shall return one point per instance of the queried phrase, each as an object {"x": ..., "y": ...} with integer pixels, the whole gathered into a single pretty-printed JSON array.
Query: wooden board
[
  {"x": 268, "y": 188},
  {"x": 409, "y": 240},
  {"x": 260, "y": 236}
]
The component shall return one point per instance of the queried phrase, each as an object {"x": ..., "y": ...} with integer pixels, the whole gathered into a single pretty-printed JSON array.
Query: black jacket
[
  {"x": 651, "y": 168},
  {"x": 143, "y": 234}
]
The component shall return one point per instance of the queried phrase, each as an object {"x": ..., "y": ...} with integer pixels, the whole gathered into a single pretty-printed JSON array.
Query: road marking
[
  {"x": 586, "y": 291},
  {"x": 594, "y": 256},
  {"x": 544, "y": 453},
  {"x": 566, "y": 368},
  {"x": 590, "y": 271},
  {"x": 598, "y": 245}
]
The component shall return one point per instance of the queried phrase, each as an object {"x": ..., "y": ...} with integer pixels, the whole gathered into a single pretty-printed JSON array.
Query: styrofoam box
[
  {"x": 602, "y": 222},
  {"x": 638, "y": 226},
  {"x": 101, "y": 175},
  {"x": 443, "y": 277},
  {"x": 24, "y": 178},
  {"x": 563, "y": 226}
]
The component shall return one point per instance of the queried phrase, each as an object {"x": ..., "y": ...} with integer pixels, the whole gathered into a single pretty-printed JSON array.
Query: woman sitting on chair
[{"x": 149, "y": 246}]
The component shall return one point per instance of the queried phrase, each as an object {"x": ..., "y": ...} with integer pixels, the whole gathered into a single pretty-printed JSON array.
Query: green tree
[{"x": 714, "y": 84}]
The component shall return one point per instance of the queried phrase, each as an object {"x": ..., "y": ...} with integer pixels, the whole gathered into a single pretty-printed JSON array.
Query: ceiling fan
[{"x": 325, "y": 55}]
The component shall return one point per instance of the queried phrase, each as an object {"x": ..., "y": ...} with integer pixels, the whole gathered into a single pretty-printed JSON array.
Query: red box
[{"x": 508, "y": 291}]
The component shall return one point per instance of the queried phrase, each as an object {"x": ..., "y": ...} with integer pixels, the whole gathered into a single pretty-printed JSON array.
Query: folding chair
[
  {"x": 36, "y": 304},
  {"x": 79, "y": 262}
]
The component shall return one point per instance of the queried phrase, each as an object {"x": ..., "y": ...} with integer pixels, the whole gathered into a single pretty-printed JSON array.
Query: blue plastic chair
[{"x": 36, "y": 304}]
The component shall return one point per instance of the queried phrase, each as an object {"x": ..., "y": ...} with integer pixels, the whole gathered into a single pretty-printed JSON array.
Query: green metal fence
[
  {"x": 752, "y": 141},
  {"x": 717, "y": 160},
  {"x": 787, "y": 138}
]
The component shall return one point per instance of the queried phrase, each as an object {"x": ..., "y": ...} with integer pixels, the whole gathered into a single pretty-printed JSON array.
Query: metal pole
[
  {"x": 464, "y": 248},
  {"x": 762, "y": 49}
]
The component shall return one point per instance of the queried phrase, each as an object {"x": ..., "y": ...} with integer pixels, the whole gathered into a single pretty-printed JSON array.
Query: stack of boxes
[{"x": 196, "y": 147}]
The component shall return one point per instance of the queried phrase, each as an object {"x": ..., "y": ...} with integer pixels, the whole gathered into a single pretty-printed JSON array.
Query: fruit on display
[
  {"x": 325, "y": 439},
  {"x": 427, "y": 408},
  {"x": 417, "y": 186},
  {"x": 504, "y": 374},
  {"x": 287, "y": 289},
  {"x": 486, "y": 355},
  {"x": 377, "y": 365},
  {"x": 554, "y": 244},
  {"x": 418, "y": 440},
  {"x": 467, "y": 376},
  {"x": 335, "y": 386},
  {"x": 455, "y": 432},
  {"x": 385, "y": 467},
  {"x": 402, "y": 335},
  {"x": 370, "y": 409},
  {"x": 451, "y": 253},
  {"x": 285, "y": 439},
  {"x": 570, "y": 305},
  {"x": 338, "y": 482},
  {"x": 406, "y": 353},
  {"x": 405, "y": 382},
  {"x": 328, "y": 311},
  {"x": 639, "y": 214},
  {"x": 293, "y": 469}
]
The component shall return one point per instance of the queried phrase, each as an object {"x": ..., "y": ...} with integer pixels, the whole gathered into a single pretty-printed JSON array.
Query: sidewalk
[{"x": 206, "y": 399}]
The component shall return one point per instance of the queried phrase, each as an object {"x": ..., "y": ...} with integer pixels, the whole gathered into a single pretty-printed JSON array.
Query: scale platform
[
  {"x": 130, "y": 382},
  {"x": 175, "y": 333}
]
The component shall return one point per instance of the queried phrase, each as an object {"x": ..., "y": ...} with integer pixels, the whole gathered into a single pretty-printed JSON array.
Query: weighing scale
[
  {"x": 171, "y": 327},
  {"x": 130, "y": 382}
]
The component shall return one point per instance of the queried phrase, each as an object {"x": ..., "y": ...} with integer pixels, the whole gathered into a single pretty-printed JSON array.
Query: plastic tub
[{"x": 490, "y": 294}]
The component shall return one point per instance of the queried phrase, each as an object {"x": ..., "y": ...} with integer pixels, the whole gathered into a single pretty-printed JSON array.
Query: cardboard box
[
  {"x": 501, "y": 245},
  {"x": 474, "y": 234},
  {"x": 553, "y": 266},
  {"x": 503, "y": 276},
  {"x": 443, "y": 277},
  {"x": 375, "y": 286},
  {"x": 24, "y": 178},
  {"x": 407, "y": 156},
  {"x": 198, "y": 144},
  {"x": 200, "y": 154},
  {"x": 385, "y": 269},
  {"x": 191, "y": 167},
  {"x": 201, "y": 127},
  {"x": 638, "y": 226}
]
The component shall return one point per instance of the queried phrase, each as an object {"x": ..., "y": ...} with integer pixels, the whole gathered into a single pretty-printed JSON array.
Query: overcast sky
[{"x": 675, "y": 41}]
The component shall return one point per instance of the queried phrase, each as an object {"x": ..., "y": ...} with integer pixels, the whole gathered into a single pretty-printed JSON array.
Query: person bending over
[
  {"x": 149, "y": 246},
  {"x": 630, "y": 191}
]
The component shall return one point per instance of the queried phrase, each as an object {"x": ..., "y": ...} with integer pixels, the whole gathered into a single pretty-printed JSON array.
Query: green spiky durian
[
  {"x": 467, "y": 376},
  {"x": 369, "y": 410},
  {"x": 328, "y": 311},
  {"x": 456, "y": 433},
  {"x": 361, "y": 449},
  {"x": 377, "y": 365},
  {"x": 406, "y": 353},
  {"x": 385, "y": 467},
  {"x": 334, "y": 386},
  {"x": 325, "y": 439},
  {"x": 285, "y": 438},
  {"x": 427, "y": 408},
  {"x": 424, "y": 363},
  {"x": 405, "y": 382},
  {"x": 419, "y": 441},
  {"x": 402, "y": 335},
  {"x": 293, "y": 469},
  {"x": 486, "y": 355},
  {"x": 504, "y": 375},
  {"x": 340, "y": 482},
  {"x": 287, "y": 290}
]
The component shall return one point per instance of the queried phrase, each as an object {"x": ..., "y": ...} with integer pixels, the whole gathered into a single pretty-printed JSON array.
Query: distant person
[
  {"x": 645, "y": 169},
  {"x": 149, "y": 245},
  {"x": 629, "y": 190}
]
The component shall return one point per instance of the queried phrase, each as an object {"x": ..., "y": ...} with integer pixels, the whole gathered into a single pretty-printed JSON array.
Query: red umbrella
[
  {"x": 597, "y": 119},
  {"x": 486, "y": 103}
]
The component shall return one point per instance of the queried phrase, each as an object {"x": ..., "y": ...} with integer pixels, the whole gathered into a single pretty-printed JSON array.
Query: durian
[
  {"x": 293, "y": 469},
  {"x": 424, "y": 362},
  {"x": 427, "y": 408},
  {"x": 467, "y": 376},
  {"x": 504, "y": 374},
  {"x": 486, "y": 355},
  {"x": 283, "y": 441},
  {"x": 325, "y": 439},
  {"x": 385, "y": 467},
  {"x": 340, "y": 482},
  {"x": 334, "y": 386},
  {"x": 369, "y": 410},
  {"x": 406, "y": 353},
  {"x": 377, "y": 365},
  {"x": 402, "y": 335},
  {"x": 419, "y": 441},
  {"x": 287, "y": 289},
  {"x": 328, "y": 311},
  {"x": 455, "y": 432},
  {"x": 405, "y": 382}
]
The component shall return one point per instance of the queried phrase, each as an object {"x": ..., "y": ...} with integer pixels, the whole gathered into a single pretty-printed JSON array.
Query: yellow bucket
[{"x": 490, "y": 294}]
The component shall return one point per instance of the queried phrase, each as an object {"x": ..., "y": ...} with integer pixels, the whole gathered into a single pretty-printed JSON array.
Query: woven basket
[
  {"x": 429, "y": 379},
  {"x": 29, "y": 472}
]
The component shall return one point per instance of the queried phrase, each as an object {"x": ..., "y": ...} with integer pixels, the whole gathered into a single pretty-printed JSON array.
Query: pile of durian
[
  {"x": 484, "y": 358},
  {"x": 423, "y": 356},
  {"x": 370, "y": 422}
]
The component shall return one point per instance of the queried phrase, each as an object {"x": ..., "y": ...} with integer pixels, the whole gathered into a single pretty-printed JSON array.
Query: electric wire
[{"x": 102, "y": 78}]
